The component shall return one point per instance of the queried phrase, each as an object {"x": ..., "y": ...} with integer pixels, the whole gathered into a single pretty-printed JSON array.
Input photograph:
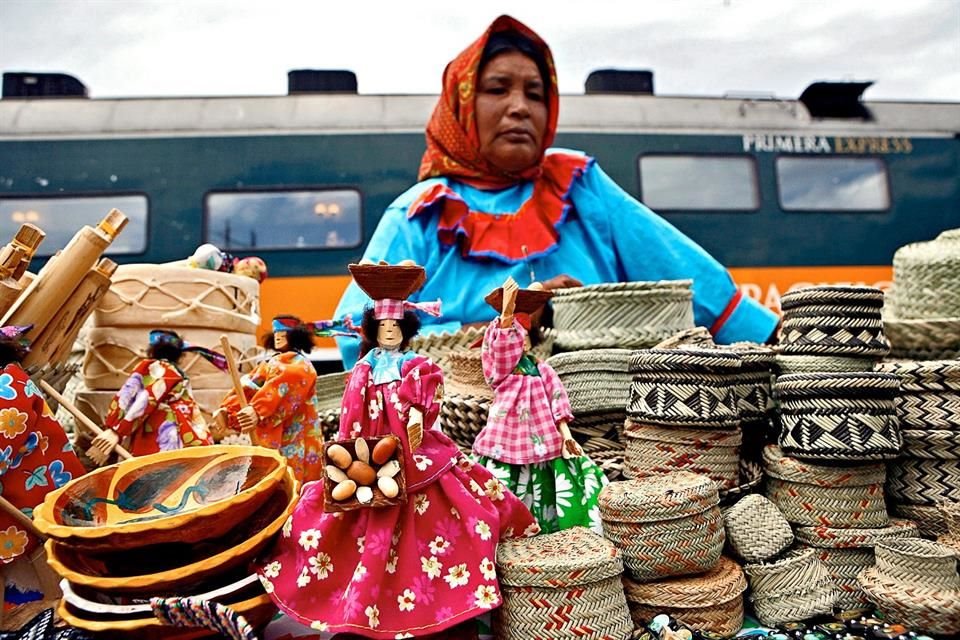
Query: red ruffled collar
[{"x": 529, "y": 233}]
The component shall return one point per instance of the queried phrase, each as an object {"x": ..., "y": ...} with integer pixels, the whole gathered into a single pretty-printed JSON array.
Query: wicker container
[
  {"x": 839, "y": 416},
  {"x": 685, "y": 388},
  {"x": 711, "y": 601},
  {"x": 915, "y": 581},
  {"x": 467, "y": 397},
  {"x": 625, "y": 315},
  {"x": 951, "y": 516},
  {"x": 379, "y": 499},
  {"x": 330, "y": 388},
  {"x": 751, "y": 477},
  {"x": 929, "y": 395},
  {"x": 927, "y": 517},
  {"x": 951, "y": 541},
  {"x": 596, "y": 380},
  {"x": 930, "y": 444},
  {"x": 813, "y": 495},
  {"x": 653, "y": 449},
  {"x": 756, "y": 530},
  {"x": 795, "y": 588},
  {"x": 599, "y": 434},
  {"x": 833, "y": 321},
  {"x": 786, "y": 364},
  {"x": 847, "y": 552},
  {"x": 933, "y": 339},
  {"x": 919, "y": 481},
  {"x": 925, "y": 278},
  {"x": 550, "y": 592},
  {"x": 752, "y": 384},
  {"x": 666, "y": 525}
]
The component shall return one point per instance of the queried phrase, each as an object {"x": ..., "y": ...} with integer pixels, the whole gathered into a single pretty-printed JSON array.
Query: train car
[{"x": 784, "y": 192}]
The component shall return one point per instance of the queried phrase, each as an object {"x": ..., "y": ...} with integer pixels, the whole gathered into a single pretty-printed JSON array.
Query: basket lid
[
  {"x": 782, "y": 467},
  {"x": 528, "y": 300},
  {"x": 671, "y": 288},
  {"x": 833, "y": 538},
  {"x": 923, "y": 371},
  {"x": 685, "y": 359},
  {"x": 657, "y": 498},
  {"x": 832, "y": 296},
  {"x": 700, "y": 439},
  {"x": 859, "y": 384},
  {"x": 571, "y": 557},
  {"x": 573, "y": 362},
  {"x": 724, "y": 582},
  {"x": 388, "y": 281}
]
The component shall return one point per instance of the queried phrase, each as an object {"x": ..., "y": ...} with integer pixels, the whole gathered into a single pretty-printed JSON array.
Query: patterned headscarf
[
  {"x": 161, "y": 336},
  {"x": 453, "y": 143}
]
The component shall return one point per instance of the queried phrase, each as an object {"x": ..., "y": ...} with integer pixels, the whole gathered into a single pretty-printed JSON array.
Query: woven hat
[
  {"x": 654, "y": 449},
  {"x": 811, "y": 494},
  {"x": 596, "y": 380},
  {"x": 833, "y": 321},
  {"x": 839, "y": 416},
  {"x": 794, "y": 588},
  {"x": 388, "y": 281},
  {"x": 711, "y": 601},
  {"x": 915, "y": 581},
  {"x": 925, "y": 278},
  {"x": 929, "y": 395},
  {"x": 756, "y": 530},
  {"x": 685, "y": 387},
  {"x": 626, "y": 315}
]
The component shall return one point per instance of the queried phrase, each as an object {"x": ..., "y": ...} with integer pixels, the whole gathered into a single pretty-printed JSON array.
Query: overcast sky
[{"x": 911, "y": 48}]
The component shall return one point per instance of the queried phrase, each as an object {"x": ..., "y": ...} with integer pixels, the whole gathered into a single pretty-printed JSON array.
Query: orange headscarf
[{"x": 453, "y": 144}]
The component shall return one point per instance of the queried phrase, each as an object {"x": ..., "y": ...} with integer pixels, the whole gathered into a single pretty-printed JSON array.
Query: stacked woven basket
[
  {"x": 330, "y": 388},
  {"x": 467, "y": 397},
  {"x": 549, "y": 592},
  {"x": 924, "y": 318}
]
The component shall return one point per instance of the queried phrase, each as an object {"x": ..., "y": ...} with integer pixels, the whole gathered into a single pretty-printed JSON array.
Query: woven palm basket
[
  {"x": 833, "y": 321},
  {"x": 929, "y": 393},
  {"x": 625, "y": 315},
  {"x": 466, "y": 399},
  {"x": 839, "y": 416},
  {"x": 932, "y": 444},
  {"x": 438, "y": 346},
  {"x": 667, "y": 525},
  {"x": 951, "y": 516},
  {"x": 752, "y": 384},
  {"x": 596, "y": 380},
  {"x": 685, "y": 388},
  {"x": 599, "y": 434},
  {"x": 919, "y": 481},
  {"x": 756, "y": 530},
  {"x": 549, "y": 592},
  {"x": 653, "y": 449},
  {"x": 932, "y": 339},
  {"x": 925, "y": 278},
  {"x": 927, "y": 517},
  {"x": 711, "y": 601},
  {"x": 847, "y": 552},
  {"x": 786, "y": 364},
  {"x": 915, "y": 581},
  {"x": 794, "y": 588},
  {"x": 330, "y": 388},
  {"x": 812, "y": 495}
]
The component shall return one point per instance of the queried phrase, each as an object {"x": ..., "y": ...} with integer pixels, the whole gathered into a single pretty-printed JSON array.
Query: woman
[
  {"x": 35, "y": 453},
  {"x": 526, "y": 442},
  {"x": 282, "y": 400},
  {"x": 417, "y": 568},
  {"x": 495, "y": 201},
  {"x": 155, "y": 406}
]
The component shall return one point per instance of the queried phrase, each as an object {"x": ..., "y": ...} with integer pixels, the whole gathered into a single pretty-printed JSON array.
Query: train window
[
  {"x": 300, "y": 219},
  {"x": 699, "y": 183},
  {"x": 61, "y": 216},
  {"x": 832, "y": 184}
]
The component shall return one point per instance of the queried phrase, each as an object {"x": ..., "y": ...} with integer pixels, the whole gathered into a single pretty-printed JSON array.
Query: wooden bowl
[
  {"x": 166, "y": 569},
  {"x": 136, "y": 621},
  {"x": 379, "y": 500},
  {"x": 187, "y": 495}
]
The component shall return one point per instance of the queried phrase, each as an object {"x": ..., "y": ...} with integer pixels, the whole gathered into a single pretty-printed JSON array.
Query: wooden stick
[
  {"x": 20, "y": 518},
  {"x": 80, "y": 417},
  {"x": 234, "y": 372}
]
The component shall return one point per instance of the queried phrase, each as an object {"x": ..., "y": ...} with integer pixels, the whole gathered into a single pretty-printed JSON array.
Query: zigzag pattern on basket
[
  {"x": 666, "y": 304},
  {"x": 929, "y": 411},
  {"x": 927, "y": 517},
  {"x": 842, "y": 341},
  {"x": 840, "y": 436},
  {"x": 651, "y": 449},
  {"x": 790, "y": 364},
  {"x": 929, "y": 337},
  {"x": 934, "y": 444},
  {"x": 672, "y": 399},
  {"x": 844, "y": 565},
  {"x": 462, "y": 418},
  {"x": 752, "y": 391},
  {"x": 917, "y": 481},
  {"x": 639, "y": 337},
  {"x": 795, "y": 588}
]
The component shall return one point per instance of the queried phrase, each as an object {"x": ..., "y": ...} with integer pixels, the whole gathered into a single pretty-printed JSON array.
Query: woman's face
[
  {"x": 511, "y": 108},
  {"x": 389, "y": 335}
]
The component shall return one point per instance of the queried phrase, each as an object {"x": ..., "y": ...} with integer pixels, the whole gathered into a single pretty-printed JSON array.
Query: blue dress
[{"x": 605, "y": 236}]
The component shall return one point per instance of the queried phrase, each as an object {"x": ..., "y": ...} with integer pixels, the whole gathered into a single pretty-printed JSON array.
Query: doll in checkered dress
[{"x": 527, "y": 443}]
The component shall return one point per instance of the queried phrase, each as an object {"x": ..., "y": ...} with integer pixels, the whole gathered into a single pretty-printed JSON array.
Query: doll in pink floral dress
[{"x": 413, "y": 569}]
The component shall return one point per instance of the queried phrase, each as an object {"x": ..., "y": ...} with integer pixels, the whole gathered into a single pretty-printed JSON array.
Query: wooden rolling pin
[{"x": 80, "y": 417}]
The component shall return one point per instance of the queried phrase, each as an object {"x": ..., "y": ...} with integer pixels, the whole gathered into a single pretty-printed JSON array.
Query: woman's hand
[
  {"x": 563, "y": 281},
  {"x": 102, "y": 446},
  {"x": 570, "y": 447},
  {"x": 248, "y": 419},
  {"x": 415, "y": 428}
]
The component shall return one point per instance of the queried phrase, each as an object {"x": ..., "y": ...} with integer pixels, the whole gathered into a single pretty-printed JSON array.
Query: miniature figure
[{"x": 527, "y": 442}]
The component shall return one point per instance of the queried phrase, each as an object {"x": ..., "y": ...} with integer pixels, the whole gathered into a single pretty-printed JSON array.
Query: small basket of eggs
[{"x": 366, "y": 472}]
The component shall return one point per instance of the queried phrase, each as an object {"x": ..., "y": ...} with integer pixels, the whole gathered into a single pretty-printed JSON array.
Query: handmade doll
[
  {"x": 527, "y": 443},
  {"x": 35, "y": 458},
  {"x": 155, "y": 406},
  {"x": 415, "y": 568},
  {"x": 282, "y": 399}
]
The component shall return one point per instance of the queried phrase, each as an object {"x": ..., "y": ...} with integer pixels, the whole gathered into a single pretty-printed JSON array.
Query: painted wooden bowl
[
  {"x": 186, "y": 496},
  {"x": 168, "y": 569},
  {"x": 136, "y": 621}
]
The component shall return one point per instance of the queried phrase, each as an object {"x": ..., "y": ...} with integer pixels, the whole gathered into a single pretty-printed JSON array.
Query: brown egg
[
  {"x": 344, "y": 490},
  {"x": 335, "y": 473},
  {"x": 388, "y": 486},
  {"x": 362, "y": 473},
  {"x": 339, "y": 456},
  {"x": 384, "y": 449}
]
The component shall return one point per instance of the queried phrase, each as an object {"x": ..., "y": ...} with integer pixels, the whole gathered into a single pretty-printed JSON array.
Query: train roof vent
[
  {"x": 23, "y": 84},
  {"x": 836, "y": 100},
  {"x": 301, "y": 81},
  {"x": 637, "y": 81}
]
